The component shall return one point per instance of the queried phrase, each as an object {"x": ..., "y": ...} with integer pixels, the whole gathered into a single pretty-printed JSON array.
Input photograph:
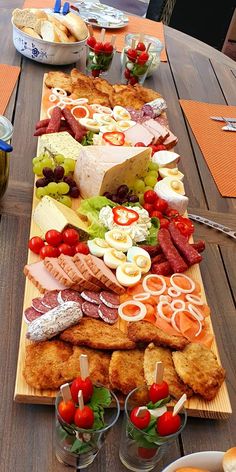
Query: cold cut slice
[
  {"x": 90, "y": 309},
  {"x": 189, "y": 252},
  {"x": 92, "y": 297},
  {"x": 41, "y": 278},
  {"x": 111, "y": 300},
  {"x": 109, "y": 315},
  {"x": 177, "y": 263},
  {"x": 31, "y": 314},
  {"x": 38, "y": 305},
  {"x": 139, "y": 133},
  {"x": 69, "y": 295},
  {"x": 50, "y": 299}
]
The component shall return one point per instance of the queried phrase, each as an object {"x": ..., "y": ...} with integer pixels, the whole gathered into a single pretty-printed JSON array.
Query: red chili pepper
[
  {"x": 124, "y": 216},
  {"x": 115, "y": 138}
]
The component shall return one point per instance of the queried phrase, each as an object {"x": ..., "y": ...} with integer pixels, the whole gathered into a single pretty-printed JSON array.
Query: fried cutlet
[
  {"x": 126, "y": 370},
  {"x": 152, "y": 355},
  {"x": 103, "y": 86},
  {"x": 145, "y": 332},
  {"x": 59, "y": 80},
  {"x": 97, "y": 334},
  {"x": 127, "y": 98},
  {"x": 198, "y": 367},
  {"x": 146, "y": 94}
]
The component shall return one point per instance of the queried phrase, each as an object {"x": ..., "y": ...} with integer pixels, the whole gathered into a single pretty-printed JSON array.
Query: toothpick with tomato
[
  {"x": 84, "y": 415},
  {"x": 159, "y": 389},
  {"x": 170, "y": 421},
  {"x": 83, "y": 382},
  {"x": 66, "y": 407}
]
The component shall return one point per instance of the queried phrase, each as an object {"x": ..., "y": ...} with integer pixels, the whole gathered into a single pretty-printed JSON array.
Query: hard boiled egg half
[
  {"x": 114, "y": 258},
  {"x": 119, "y": 240},
  {"x": 98, "y": 246},
  {"x": 140, "y": 257},
  {"x": 103, "y": 118},
  {"x": 175, "y": 173},
  {"x": 123, "y": 125},
  {"x": 120, "y": 113},
  {"x": 90, "y": 124},
  {"x": 128, "y": 274}
]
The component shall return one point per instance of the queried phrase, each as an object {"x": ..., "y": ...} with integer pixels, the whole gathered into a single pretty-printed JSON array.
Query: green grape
[
  {"x": 154, "y": 173},
  {"x": 41, "y": 192},
  {"x": 150, "y": 180},
  {"x": 65, "y": 200},
  {"x": 66, "y": 168},
  {"x": 52, "y": 187},
  {"x": 47, "y": 162},
  {"x": 70, "y": 163},
  {"x": 153, "y": 166},
  {"x": 59, "y": 158},
  {"x": 139, "y": 185},
  {"x": 148, "y": 188},
  {"x": 37, "y": 168},
  {"x": 141, "y": 199},
  {"x": 35, "y": 160},
  {"x": 63, "y": 188}
]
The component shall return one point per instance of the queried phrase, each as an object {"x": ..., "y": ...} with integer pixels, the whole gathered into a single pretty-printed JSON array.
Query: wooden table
[{"x": 193, "y": 71}]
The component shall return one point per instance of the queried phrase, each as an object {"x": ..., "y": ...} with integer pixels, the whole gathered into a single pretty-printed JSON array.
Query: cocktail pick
[
  {"x": 148, "y": 47},
  {"x": 81, "y": 400},
  {"x": 84, "y": 367},
  {"x": 65, "y": 392},
  {"x": 132, "y": 43},
  {"x": 140, "y": 409},
  {"x": 179, "y": 404},
  {"x": 102, "y": 35},
  {"x": 113, "y": 39},
  {"x": 159, "y": 371},
  {"x": 90, "y": 28}
]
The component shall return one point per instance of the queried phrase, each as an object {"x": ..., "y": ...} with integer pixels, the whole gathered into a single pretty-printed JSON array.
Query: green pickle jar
[{"x": 6, "y": 130}]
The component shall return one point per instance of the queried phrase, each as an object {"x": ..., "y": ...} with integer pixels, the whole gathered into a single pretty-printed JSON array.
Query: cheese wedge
[
  {"x": 60, "y": 143},
  {"x": 51, "y": 214},
  {"x": 102, "y": 169}
]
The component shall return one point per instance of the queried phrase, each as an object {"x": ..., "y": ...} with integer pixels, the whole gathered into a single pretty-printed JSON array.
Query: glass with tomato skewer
[
  {"x": 99, "y": 56},
  {"x": 136, "y": 63}
]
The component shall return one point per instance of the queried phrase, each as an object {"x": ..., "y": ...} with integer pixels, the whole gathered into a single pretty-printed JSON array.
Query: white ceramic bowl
[
  {"x": 47, "y": 52},
  {"x": 211, "y": 460}
]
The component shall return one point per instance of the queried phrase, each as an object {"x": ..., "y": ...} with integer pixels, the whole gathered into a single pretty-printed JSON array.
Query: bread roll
[
  {"x": 61, "y": 35},
  {"x": 229, "y": 460},
  {"x": 58, "y": 24},
  {"x": 75, "y": 25},
  {"x": 27, "y": 17},
  {"x": 31, "y": 32},
  {"x": 72, "y": 39},
  {"x": 191, "y": 469},
  {"x": 48, "y": 32}
]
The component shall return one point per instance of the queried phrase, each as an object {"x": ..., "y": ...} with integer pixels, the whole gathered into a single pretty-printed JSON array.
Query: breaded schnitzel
[
  {"x": 152, "y": 355},
  {"x": 59, "y": 79},
  {"x": 96, "y": 334},
  {"x": 145, "y": 332},
  {"x": 126, "y": 370},
  {"x": 198, "y": 367}
]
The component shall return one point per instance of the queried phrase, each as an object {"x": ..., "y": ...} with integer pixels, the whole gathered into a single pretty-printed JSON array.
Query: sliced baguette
[
  {"x": 75, "y": 25},
  {"x": 27, "y": 17},
  {"x": 48, "y": 32},
  {"x": 31, "y": 32},
  {"x": 59, "y": 24}
]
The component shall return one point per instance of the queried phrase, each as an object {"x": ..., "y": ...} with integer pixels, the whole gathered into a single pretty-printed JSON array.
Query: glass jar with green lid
[{"x": 6, "y": 130}]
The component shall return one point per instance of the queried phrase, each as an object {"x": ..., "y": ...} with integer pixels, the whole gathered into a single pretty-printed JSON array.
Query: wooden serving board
[{"x": 219, "y": 408}]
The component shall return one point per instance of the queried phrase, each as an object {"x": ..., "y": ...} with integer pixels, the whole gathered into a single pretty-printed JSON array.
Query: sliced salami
[
  {"x": 69, "y": 295},
  {"x": 50, "y": 299},
  {"x": 148, "y": 111},
  {"x": 112, "y": 300},
  {"x": 109, "y": 315},
  {"x": 39, "y": 306},
  {"x": 31, "y": 314},
  {"x": 90, "y": 296},
  {"x": 90, "y": 309}
]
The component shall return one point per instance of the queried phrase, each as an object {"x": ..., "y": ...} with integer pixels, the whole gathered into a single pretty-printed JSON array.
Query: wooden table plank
[{"x": 227, "y": 79}]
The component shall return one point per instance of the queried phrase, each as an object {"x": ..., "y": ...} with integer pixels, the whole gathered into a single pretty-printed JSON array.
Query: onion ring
[
  {"x": 177, "y": 287},
  {"x": 138, "y": 317},
  {"x": 160, "y": 312},
  {"x": 172, "y": 292},
  {"x": 59, "y": 92},
  {"x": 154, "y": 292},
  {"x": 195, "y": 312},
  {"x": 141, "y": 296},
  {"x": 195, "y": 299},
  {"x": 52, "y": 98},
  {"x": 180, "y": 302}
]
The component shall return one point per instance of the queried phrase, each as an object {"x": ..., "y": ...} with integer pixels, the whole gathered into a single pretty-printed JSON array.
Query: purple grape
[
  {"x": 74, "y": 192},
  {"x": 122, "y": 191},
  {"x": 108, "y": 195},
  {"x": 48, "y": 172},
  {"x": 59, "y": 172},
  {"x": 70, "y": 181},
  {"x": 42, "y": 182},
  {"x": 133, "y": 199},
  {"x": 114, "y": 198}
]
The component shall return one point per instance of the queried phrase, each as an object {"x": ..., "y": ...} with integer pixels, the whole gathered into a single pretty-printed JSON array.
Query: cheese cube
[
  {"x": 102, "y": 169},
  {"x": 59, "y": 143}
]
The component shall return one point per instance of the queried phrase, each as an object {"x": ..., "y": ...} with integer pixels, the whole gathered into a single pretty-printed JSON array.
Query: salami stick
[
  {"x": 162, "y": 268},
  {"x": 177, "y": 263},
  {"x": 55, "y": 121},
  {"x": 42, "y": 123},
  {"x": 188, "y": 252},
  {"x": 40, "y": 131},
  {"x": 77, "y": 129}
]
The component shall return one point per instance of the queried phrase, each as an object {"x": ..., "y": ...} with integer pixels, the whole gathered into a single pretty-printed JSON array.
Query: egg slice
[
  {"x": 140, "y": 257},
  {"x": 90, "y": 124},
  {"x": 98, "y": 247},
  {"x": 128, "y": 274},
  {"x": 122, "y": 125},
  {"x": 175, "y": 173},
  {"x": 100, "y": 108},
  {"x": 118, "y": 239},
  {"x": 109, "y": 128},
  {"x": 114, "y": 258},
  {"x": 120, "y": 113},
  {"x": 103, "y": 118}
]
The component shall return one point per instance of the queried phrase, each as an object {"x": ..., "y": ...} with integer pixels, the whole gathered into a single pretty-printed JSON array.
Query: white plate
[
  {"x": 210, "y": 460},
  {"x": 106, "y": 16}
]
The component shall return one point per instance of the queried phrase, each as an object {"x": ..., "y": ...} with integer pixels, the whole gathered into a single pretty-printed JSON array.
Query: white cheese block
[
  {"x": 51, "y": 214},
  {"x": 175, "y": 198},
  {"x": 60, "y": 143},
  {"x": 166, "y": 158},
  {"x": 102, "y": 169}
]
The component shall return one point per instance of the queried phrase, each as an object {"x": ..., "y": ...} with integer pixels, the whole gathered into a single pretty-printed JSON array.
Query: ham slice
[
  {"x": 160, "y": 132},
  {"x": 171, "y": 141},
  {"x": 139, "y": 133},
  {"x": 41, "y": 278},
  {"x": 105, "y": 275},
  {"x": 53, "y": 266},
  {"x": 72, "y": 270},
  {"x": 84, "y": 265}
]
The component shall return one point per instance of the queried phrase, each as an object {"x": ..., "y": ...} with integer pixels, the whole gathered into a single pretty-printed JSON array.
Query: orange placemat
[
  {"x": 136, "y": 25},
  {"x": 8, "y": 78},
  {"x": 218, "y": 147}
]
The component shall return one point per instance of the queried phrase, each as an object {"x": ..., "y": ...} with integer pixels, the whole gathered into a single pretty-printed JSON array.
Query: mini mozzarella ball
[
  {"x": 94, "y": 60},
  {"x": 128, "y": 274},
  {"x": 118, "y": 239},
  {"x": 91, "y": 54},
  {"x": 120, "y": 113},
  {"x": 140, "y": 257},
  {"x": 90, "y": 124},
  {"x": 114, "y": 258},
  {"x": 97, "y": 247},
  {"x": 103, "y": 118},
  {"x": 125, "y": 124},
  {"x": 130, "y": 65}
]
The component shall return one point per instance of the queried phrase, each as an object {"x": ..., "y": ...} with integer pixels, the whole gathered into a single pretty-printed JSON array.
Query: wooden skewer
[
  {"x": 148, "y": 47},
  {"x": 102, "y": 35},
  {"x": 141, "y": 37},
  {"x": 81, "y": 400},
  {"x": 84, "y": 368},
  {"x": 113, "y": 39},
  {"x": 65, "y": 391},
  {"x": 140, "y": 410},
  {"x": 179, "y": 404},
  {"x": 159, "y": 371},
  {"x": 90, "y": 28},
  {"x": 133, "y": 43}
]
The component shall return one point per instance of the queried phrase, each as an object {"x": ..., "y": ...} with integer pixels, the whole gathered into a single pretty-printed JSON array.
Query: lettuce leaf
[
  {"x": 153, "y": 232},
  {"x": 90, "y": 208}
]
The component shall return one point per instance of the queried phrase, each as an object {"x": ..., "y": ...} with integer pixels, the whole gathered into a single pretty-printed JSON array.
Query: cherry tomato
[
  {"x": 127, "y": 74},
  {"x": 70, "y": 236},
  {"x": 156, "y": 214},
  {"x": 98, "y": 47},
  {"x": 164, "y": 223},
  {"x": 95, "y": 72},
  {"x": 85, "y": 385},
  {"x": 148, "y": 207},
  {"x": 141, "y": 47},
  {"x": 171, "y": 213},
  {"x": 133, "y": 80},
  {"x": 107, "y": 47},
  {"x": 66, "y": 249},
  {"x": 143, "y": 58},
  {"x": 82, "y": 248},
  {"x": 67, "y": 410},
  {"x": 158, "y": 391},
  {"x": 168, "y": 424},
  {"x": 160, "y": 147},
  {"x": 184, "y": 225},
  {"x": 35, "y": 244},
  {"x": 53, "y": 237},
  {"x": 91, "y": 41},
  {"x": 84, "y": 418},
  {"x": 160, "y": 205},
  {"x": 150, "y": 196},
  {"x": 141, "y": 421},
  {"x": 139, "y": 144},
  {"x": 147, "y": 453},
  {"x": 48, "y": 251},
  {"x": 132, "y": 54}
]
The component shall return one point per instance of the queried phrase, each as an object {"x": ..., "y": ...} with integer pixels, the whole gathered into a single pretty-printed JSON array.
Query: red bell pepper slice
[
  {"x": 184, "y": 225},
  {"x": 124, "y": 216},
  {"x": 115, "y": 138}
]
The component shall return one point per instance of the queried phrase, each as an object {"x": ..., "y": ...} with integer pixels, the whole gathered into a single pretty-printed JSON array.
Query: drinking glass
[
  {"x": 6, "y": 130},
  {"x": 98, "y": 63},
  {"x": 132, "y": 71},
  {"x": 156, "y": 46},
  {"x": 78, "y": 447},
  {"x": 138, "y": 451}
]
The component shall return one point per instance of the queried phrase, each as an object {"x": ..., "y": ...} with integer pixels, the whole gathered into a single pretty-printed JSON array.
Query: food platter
[
  {"x": 102, "y": 16},
  {"x": 218, "y": 408}
]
